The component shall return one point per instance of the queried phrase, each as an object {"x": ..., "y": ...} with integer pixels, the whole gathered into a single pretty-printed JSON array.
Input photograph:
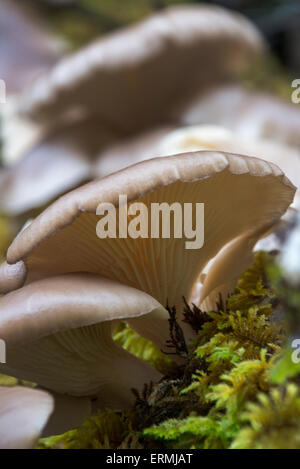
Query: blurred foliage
[
  {"x": 9, "y": 381},
  {"x": 269, "y": 75},
  {"x": 80, "y": 21},
  {"x": 6, "y": 235},
  {"x": 273, "y": 422},
  {"x": 108, "y": 429}
]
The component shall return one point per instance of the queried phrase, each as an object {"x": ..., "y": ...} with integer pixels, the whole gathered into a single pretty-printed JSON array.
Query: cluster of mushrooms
[{"x": 155, "y": 112}]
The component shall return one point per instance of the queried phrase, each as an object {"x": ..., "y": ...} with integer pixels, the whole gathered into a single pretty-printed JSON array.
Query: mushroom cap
[
  {"x": 23, "y": 415},
  {"x": 12, "y": 277},
  {"x": 58, "y": 333},
  {"x": 240, "y": 194},
  {"x": 164, "y": 140},
  {"x": 180, "y": 50},
  {"x": 213, "y": 137}
]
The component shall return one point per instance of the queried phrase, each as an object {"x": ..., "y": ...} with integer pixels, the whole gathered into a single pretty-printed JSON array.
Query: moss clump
[
  {"x": 273, "y": 422},
  {"x": 109, "y": 429},
  {"x": 226, "y": 394}
]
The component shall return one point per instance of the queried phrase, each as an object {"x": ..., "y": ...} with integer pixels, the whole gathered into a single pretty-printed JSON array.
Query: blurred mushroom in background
[
  {"x": 27, "y": 49},
  {"x": 24, "y": 413},
  {"x": 163, "y": 141},
  {"x": 123, "y": 83}
]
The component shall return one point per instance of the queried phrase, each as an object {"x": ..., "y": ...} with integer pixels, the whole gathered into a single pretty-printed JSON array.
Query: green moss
[
  {"x": 270, "y": 76},
  {"x": 141, "y": 348},
  {"x": 284, "y": 368},
  {"x": 109, "y": 429},
  {"x": 192, "y": 432},
  {"x": 236, "y": 387},
  {"x": 10, "y": 381},
  {"x": 6, "y": 236},
  {"x": 88, "y": 19},
  {"x": 273, "y": 422}
]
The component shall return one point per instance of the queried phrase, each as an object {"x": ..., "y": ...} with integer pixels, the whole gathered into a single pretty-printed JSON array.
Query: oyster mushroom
[
  {"x": 24, "y": 412},
  {"x": 163, "y": 141},
  {"x": 111, "y": 82},
  {"x": 58, "y": 333},
  {"x": 114, "y": 76},
  {"x": 205, "y": 137},
  {"x": 27, "y": 49},
  {"x": 241, "y": 195}
]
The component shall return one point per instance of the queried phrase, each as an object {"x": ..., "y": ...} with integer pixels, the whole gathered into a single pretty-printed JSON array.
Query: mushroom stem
[{"x": 227, "y": 266}]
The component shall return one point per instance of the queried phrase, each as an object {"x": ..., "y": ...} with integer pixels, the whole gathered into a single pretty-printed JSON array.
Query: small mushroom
[
  {"x": 240, "y": 195},
  {"x": 24, "y": 412},
  {"x": 12, "y": 277},
  {"x": 135, "y": 77},
  {"x": 58, "y": 333}
]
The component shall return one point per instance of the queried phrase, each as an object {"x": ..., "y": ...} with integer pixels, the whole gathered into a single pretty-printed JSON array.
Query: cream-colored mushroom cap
[
  {"x": 135, "y": 76},
  {"x": 24, "y": 413},
  {"x": 240, "y": 195},
  {"x": 58, "y": 333},
  {"x": 213, "y": 137},
  {"x": 164, "y": 140}
]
